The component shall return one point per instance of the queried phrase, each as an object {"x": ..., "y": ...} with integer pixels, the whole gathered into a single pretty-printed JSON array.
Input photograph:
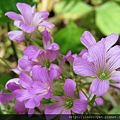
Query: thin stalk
[
  {"x": 85, "y": 94},
  {"x": 115, "y": 87},
  {"x": 5, "y": 62},
  {"x": 91, "y": 103},
  {"x": 13, "y": 46}
]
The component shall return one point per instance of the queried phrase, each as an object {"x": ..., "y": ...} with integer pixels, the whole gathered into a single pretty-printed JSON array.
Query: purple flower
[
  {"x": 64, "y": 104},
  {"x": 32, "y": 91},
  {"x": 29, "y": 91},
  {"x": 28, "y": 21},
  {"x": 102, "y": 64},
  {"x": 35, "y": 56},
  {"x": 13, "y": 85}
]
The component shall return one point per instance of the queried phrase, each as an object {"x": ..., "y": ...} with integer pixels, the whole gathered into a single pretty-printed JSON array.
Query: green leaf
[
  {"x": 3, "y": 79},
  {"x": 115, "y": 110},
  {"x": 69, "y": 38},
  {"x": 108, "y": 18},
  {"x": 10, "y": 5},
  {"x": 72, "y": 10},
  {"x": 4, "y": 19}
]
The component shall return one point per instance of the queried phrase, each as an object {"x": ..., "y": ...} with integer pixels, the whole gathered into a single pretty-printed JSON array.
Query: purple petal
[
  {"x": 35, "y": 73},
  {"x": 87, "y": 57},
  {"x": 26, "y": 65},
  {"x": 52, "y": 55},
  {"x": 25, "y": 27},
  {"x": 79, "y": 106},
  {"x": 114, "y": 62},
  {"x": 69, "y": 57},
  {"x": 30, "y": 103},
  {"x": 26, "y": 11},
  {"x": 82, "y": 52},
  {"x": 13, "y": 86},
  {"x": 25, "y": 80},
  {"x": 39, "y": 88},
  {"x": 87, "y": 39},
  {"x": 69, "y": 87},
  {"x": 99, "y": 102},
  {"x": 17, "y": 70},
  {"x": 22, "y": 95},
  {"x": 52, "y": 110},
  {"x": 39, "y": 17},
  {"x": 83, "y": 67},
  {"x": 55, "y": 72},
  {"x": 47, "y": 25},
  {"x": 14, "y": 80},
  {"x": 98, "y": 54},
  {"x": 116, "y": 76},
  {"x": 30, "y": 112},
  {"x": 32, "y": 52},
  {"x": 49, "y": 93},
  {"x": 65, "y": 115},
  {"x": 66, "y": 111},
  {"x": 53, "y": 46},
  {"x": 38, "y": 98},
  {"x": 16, "y": 35},
  {"x": 112, "y": 51},
  {"x": 82, "y": 96},
  {"x": 34, "y": 9},
  {"x": 59, "y": 98},
  {"x": 99, "y": 87},
  {"x": 110, "y": 40},
  {"x": 46, "y": 38},
  {"x": 6, "y": 97},
  {"x": 42, "y": 57},
  {"x": 40, "y": 74},
  {"x": 20, "y": 107},
  {"x": 13, "y": 16}
]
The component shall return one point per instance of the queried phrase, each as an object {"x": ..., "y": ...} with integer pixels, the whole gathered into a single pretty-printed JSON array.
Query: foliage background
[{"x": 71, "y": 19}]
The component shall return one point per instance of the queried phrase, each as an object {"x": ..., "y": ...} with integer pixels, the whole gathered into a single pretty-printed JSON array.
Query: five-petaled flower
[
  {"x": 64, "y": 104},
  {"x": 100, "y": 60},
  {"x": 28, "y": 21}
]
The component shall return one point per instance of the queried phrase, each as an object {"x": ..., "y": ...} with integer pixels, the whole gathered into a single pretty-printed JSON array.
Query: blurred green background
[{"x": 71, "y": 19}]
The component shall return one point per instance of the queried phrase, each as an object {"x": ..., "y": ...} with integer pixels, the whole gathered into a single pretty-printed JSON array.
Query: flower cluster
[{"x": 47, "y": 75}]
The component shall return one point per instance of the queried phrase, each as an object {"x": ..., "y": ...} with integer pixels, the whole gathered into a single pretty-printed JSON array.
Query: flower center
[
  {"x": 68, "y": 104},
  {"x": 103, "y": 76},
  {"x": 46, "y": 63}
]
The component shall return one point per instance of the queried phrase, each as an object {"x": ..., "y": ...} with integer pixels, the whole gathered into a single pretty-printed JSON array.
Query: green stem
[
  {"x": 13, "y": 47},
  {"x": 86, "y": 112},
  {"x": 101, "y": 110},
  {"x": 91, "y": 103},
  {"x": 77, "y": 91},
  {"x": 85, "y": 94},
  {"x": 5, "y": 62},
  {"x": 115, "y": 87},
  {"x": 87, "y": 83}
]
